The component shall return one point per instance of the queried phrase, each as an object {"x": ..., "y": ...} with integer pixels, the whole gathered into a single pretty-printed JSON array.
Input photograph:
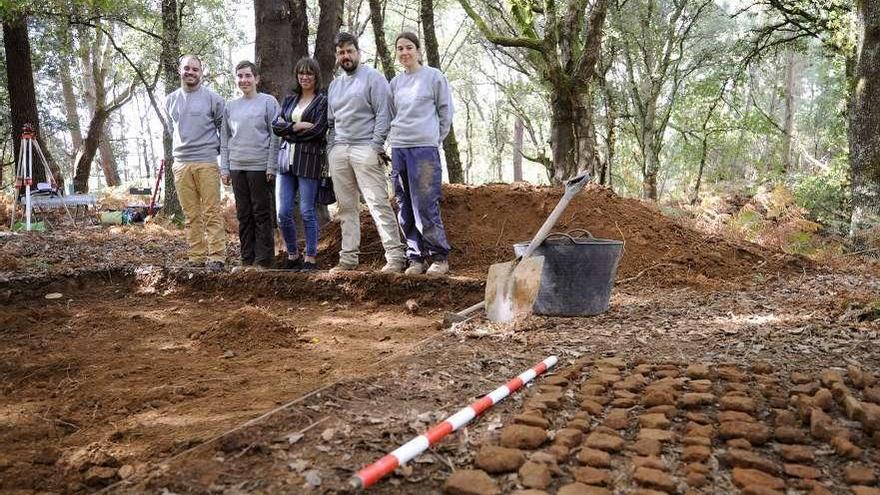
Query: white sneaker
[
  {"x": 394, "y": 267},
  {"x": 438, "y": 269},
  {"x": 415, "y": 268}
]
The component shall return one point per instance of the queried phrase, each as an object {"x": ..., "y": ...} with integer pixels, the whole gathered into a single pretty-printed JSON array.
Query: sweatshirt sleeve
[
  {"x": 224, "y": 142},
  {"x": 272, "y": 111},
  {"x": 443, "y": 101},
  {"x": 319, "y": 118},
  {"x": 331, "y": 130},
  {"x": 380, "y": 98}
]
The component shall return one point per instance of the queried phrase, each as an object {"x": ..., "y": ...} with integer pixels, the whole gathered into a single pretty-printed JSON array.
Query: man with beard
[
  {"x": 358, "y": 119},
  {"x": 195, "y": 114}
]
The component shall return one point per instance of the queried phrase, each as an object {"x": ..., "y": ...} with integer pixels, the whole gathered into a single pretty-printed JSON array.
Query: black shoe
[
  {"x": 289, "y": 264},
  {"x": 308, "y": 266},
  {"x": 247, "y": 262}
]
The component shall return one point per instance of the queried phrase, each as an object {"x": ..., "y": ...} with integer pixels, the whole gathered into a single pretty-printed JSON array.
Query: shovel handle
[{"x": 572, "y": 187}]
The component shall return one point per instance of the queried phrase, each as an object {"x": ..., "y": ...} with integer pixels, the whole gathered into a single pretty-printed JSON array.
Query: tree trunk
[
  {"x": 650, "y": 153},
  {"x": 108, "y": 158},
  {"x": 329, "y": 21},
  {"x": 432, "y": 50},
  {"x": 788, "y": 119},
  {"x": 87, "y": 154},
  {"x": 70, "y": 107},
  {"x": 704, "y": 145},
  {"x": 570, "y": 135},
  {"x": 517, "y": 149},
  {"x": 299, "y": 20},
  {"x": 168, "y": 58},
  {"x": 22, "y": 95},
  {"x": 864, "y": 128},
  {"x": 378, "y": 22}
]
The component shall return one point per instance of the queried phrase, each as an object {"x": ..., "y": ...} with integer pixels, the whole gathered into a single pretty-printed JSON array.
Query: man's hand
[
  {"x": 384, "y": 159},
  {"x": 270, "y": 177},
  {"x": 226, "y": 180},
  {"x": 302, "y": 126}
]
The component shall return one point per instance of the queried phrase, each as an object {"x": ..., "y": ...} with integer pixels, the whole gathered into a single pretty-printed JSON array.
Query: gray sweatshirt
[
  {"x": 421, "y": 108},
  {"x": 246, "y": 138},
  {"x": 195, "y": 118},
  {"x": 358, "y": 109}
]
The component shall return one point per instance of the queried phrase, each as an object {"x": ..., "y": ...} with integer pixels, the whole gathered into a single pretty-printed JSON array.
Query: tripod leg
[{"x": 51, "y": 178}]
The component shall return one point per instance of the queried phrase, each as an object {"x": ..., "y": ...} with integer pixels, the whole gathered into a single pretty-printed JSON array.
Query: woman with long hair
[
  {"x": 303, "y": 125},
  {"x": 421, "y": 109}
]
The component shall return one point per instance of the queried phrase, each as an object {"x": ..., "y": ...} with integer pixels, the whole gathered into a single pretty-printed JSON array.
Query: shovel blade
[{"x": 512, "y": 288}]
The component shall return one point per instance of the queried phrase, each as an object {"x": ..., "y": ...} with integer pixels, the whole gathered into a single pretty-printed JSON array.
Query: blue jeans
[
  {"x": 417, "y": 176},
  {"x": 288, "y": 185}
]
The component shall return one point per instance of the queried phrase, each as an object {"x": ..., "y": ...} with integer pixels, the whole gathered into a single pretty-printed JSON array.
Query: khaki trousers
[
  {"x": 198, "y": 190},
  {"x": 356, "y": 171}
]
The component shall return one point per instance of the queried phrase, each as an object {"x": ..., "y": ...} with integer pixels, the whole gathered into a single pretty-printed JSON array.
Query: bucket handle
[{"x": 573, "y": 235}]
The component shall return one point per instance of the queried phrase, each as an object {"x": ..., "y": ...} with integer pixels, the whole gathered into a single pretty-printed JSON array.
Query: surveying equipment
[{"x": 24, "y": 176}]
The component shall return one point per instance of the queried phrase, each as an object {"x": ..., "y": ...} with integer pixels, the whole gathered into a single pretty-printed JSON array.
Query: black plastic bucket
[{"x": 578, "y": 274}]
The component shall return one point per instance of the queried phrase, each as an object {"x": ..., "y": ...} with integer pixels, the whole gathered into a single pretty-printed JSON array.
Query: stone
[
  {"x": 820, "y": 425},
  {"x": 869, "y": 416},
  {"x": 659, "y": 397},
  {"x": 784, "y": 417},
  {"x": 654, "y": 434},
  {"x": 522, "y": 437},
  {"x": 697, "y": 371},
  {"x": 761, "y": 367},
  {"x": 829, "y": 377},
  {"x": 99, "y": 475},
  {"x": 747, "y": 459},
  {"x": 743, "y": 477},
  {"x": 591, "y": 407},
  {"x": 126, "y": 471},
  {"x": 560, "y": 452},
  {"x": 809, "y": 388},
  {"x": 697, "y": 467},
  {"x": 778, "y": 401},
  {"x": 739, "y": 443},
  {"x": 845, "y": 448},
  {"x": 872, "y": 394},
  {"x": 701, "y": 386},
  {"x": 857, "y": 474},
  {"x": 584, "y": 415},
  {"x": 594, "y": 458},
  {"x": 853, "y": 407},
  {"x": 820, "y": 490},
  {"x": 616, "y": 419},
  {"x": 649, "y": 462},
  {"x": 755, "y": 433},
  {"x": 797, "y": 453},
  {"x": 550, "y": 399},
  {"x": 582, "y": 489},
  {"x": 730, "y": 373},
  {"x": 839, "y": 390},
  {"x": 800, "y": 378},
  {"x": 602, "y": 400},
  {"x": 470, "y": 482},
  {"x": 646, "y": 491},
  {"x": 864, "y": 490},
  {"x": 494, "y": 459},
  {"x": 671, "y": 373},
  {"x": 656, "y": 421},
  {"x": 535, "y": 475},
  {"x": 579, "y": 424},
  {"x": 557, "y": 380},
  {"x": 544, "y": 457},
  {"x": 632, "y": 383},
  {"x": 568, "y": 437},
  {"x": 668, "y": 411},
  {"x": 788, "y": 434},
  {"x": 646, "y": 446},
  {"x": 698, "y": 430},
  {"x": 624, "y": 402},
  {"x": 696, "y": 480},
  {"x": 625, "y": 394},
  {"x": 592, "y": 389},
  {"x": 692, "y": 440},
  {"x": 612, "y": 362},
  {"x": 759, "y": 490},
  {"x": 531, "y": 420},
  {"x": 529, "y": 491},
  {"x": 692, "y": 400},
  {"x": 654, "y": 478},
  {"x": 604, "y": 441},
  {"x": 823, "y": 399},
  {"x": 698, "y": 417},
  {"x": 737, "y": 403},
  {"x": 725, "y": 416},
  {"x": 591, "y": 476},
  {"x": 859, "y": 378},
  {"x": 801, "y": 471},
  {"x": 695, "y": 453}
]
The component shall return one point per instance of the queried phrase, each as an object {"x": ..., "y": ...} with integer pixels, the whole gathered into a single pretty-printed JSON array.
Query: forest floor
[{"x": 138, "y": 377}]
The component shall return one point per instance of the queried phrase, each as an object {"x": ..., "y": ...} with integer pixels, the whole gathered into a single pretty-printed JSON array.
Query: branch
[{"x": 510, "y": 41}]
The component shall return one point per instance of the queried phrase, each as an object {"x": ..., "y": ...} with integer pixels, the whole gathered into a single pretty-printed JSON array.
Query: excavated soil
[{"x": 133, "y": 376}]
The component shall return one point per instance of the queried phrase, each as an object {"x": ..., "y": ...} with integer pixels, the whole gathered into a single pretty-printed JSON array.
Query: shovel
[{"x": 512, "y": 287}]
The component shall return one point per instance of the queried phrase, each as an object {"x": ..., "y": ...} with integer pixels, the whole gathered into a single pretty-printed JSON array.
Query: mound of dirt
[
  {"x": 483, "y": 222},
  {"x": 246, "y": 325}
]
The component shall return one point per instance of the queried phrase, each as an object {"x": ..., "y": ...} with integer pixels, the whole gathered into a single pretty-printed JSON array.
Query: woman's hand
[{"x": 302, "y": 126}]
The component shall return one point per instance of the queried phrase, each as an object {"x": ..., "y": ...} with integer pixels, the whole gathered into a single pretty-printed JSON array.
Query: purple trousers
[{"x": 417, "y": 175}]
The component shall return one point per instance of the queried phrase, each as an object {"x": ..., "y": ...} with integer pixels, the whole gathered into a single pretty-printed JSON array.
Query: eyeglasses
[{"x": 303, "y": 74}]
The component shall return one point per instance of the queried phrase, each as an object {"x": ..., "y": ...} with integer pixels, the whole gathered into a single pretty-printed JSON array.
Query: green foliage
[{"x": 826, "y": 195}]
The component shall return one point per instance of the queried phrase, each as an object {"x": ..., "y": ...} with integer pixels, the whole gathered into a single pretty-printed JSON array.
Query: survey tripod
[{"x": 24, "y": 175}]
